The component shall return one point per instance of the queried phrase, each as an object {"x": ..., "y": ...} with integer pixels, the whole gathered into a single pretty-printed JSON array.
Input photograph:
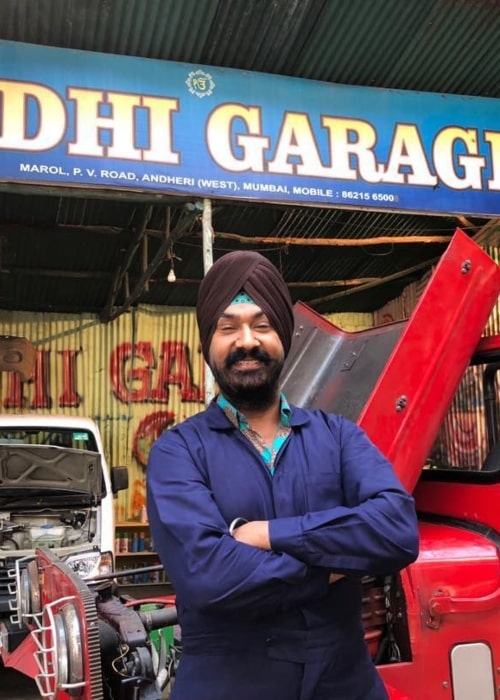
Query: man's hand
[{"x": 255, "y": 533}]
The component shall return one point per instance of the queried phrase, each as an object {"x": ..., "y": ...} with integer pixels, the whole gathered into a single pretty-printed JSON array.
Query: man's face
[{"x": 246, "y": 356}]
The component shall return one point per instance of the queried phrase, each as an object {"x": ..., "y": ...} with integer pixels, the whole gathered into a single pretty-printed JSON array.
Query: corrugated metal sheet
[
  {"x": 352, "y": 322},
  {"x": 432, "y": 45},
  {"x": 133, "y": 376},
  {"x": 402, "y": 307},
  {"x": 436, "y": 45},
  {"x": 493, "y": 325},
  {"x": 62, "y": 253},
  {"x": 462, "y": 441}
]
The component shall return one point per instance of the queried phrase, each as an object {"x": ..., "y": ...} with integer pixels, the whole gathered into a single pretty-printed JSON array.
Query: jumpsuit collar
[{"x": 217, "y": 419}]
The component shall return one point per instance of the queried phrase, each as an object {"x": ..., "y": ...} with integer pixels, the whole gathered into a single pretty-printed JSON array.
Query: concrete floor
[{"x": 16, "y": 686}]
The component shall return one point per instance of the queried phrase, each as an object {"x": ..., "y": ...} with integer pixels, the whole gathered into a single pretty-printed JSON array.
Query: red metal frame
[
  {"x": 452, "y": 591},
  {"x": 22, "y": 658},
  {"x": 56, "y": 585},
  {"x": 452, "y": 595},
  {"x": 412, "y": 395}
]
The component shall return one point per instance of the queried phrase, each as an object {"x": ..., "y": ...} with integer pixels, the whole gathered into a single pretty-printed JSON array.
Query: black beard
[{"x": 251, "y": 389}]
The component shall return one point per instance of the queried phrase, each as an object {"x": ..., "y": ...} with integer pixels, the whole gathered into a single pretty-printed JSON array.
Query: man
[{"x": 266, "y": 516}]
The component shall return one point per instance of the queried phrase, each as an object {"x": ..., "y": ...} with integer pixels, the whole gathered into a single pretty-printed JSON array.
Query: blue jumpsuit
[{"x": 259, "y": 625}]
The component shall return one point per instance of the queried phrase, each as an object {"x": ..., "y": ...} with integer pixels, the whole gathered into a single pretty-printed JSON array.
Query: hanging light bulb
[{"x": 171, "y": 274}]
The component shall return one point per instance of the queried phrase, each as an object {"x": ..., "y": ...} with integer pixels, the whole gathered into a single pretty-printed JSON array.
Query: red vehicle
[{"x": 426, "y": 391}]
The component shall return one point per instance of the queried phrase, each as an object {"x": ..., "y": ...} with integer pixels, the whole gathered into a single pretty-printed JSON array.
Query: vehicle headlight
[{"x": 90, "y": 564}]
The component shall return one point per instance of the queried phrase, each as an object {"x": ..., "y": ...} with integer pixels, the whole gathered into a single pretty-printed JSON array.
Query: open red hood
[{"x": 397, "y": 381}]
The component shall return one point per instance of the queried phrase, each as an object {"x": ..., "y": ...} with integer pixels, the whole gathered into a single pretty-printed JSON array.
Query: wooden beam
[
  {"x": 334, "y": 283},
  {"x": 489, "y": 234},
  {"x": 138, "y": 226},
  {"x": 96, "y": 192},
  {"x": 131, "y": 296},
  {"x": 334, "y": 242},
  {"x": 321, "y": 283},
  {"x": 53, "y": 272},
  {"x": 5, "y": 229},
  {"x": 248, "y": 240},
  {"x": 100, "y": 275},
  {"x": 371, "y": 285}
]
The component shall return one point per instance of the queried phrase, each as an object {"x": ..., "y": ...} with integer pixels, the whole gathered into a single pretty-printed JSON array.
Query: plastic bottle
[
  {"x": 141, "y": 545},
  {"x": 135, "y": 542}
]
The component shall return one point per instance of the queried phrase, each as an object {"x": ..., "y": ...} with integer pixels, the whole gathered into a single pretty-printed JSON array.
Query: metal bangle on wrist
[{"x": 235, "y": 524}]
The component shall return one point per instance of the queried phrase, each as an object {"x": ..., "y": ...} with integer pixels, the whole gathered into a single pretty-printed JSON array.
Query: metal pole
[{"x": 208, "y": 259}]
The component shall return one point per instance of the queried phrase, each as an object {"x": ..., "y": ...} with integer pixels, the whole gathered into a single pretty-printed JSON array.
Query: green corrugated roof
[{"x": 435, "y": 45}]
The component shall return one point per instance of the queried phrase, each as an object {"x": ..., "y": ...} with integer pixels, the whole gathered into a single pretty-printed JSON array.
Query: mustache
[{"x": 240, "y": 354}]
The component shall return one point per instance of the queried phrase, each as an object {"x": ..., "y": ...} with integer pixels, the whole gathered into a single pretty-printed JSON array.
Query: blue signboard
[{"x": 95, "y": 120}]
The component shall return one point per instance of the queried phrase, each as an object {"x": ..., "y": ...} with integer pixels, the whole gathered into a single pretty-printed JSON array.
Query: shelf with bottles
[
  {"x": 133, "y": 537},
  {"x": 131, "y": 577},
  {"x": 134, "y": 550}
]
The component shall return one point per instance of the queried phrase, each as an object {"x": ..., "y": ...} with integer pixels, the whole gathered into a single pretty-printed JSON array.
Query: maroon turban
[{"x": 253, "y": 273}]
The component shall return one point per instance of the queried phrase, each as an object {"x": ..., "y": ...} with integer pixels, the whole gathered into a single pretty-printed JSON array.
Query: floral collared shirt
[{"x": 268, "y": 453}]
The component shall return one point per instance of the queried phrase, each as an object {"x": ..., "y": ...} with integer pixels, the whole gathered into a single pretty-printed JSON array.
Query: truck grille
[{"x": 5, "y": 566}]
